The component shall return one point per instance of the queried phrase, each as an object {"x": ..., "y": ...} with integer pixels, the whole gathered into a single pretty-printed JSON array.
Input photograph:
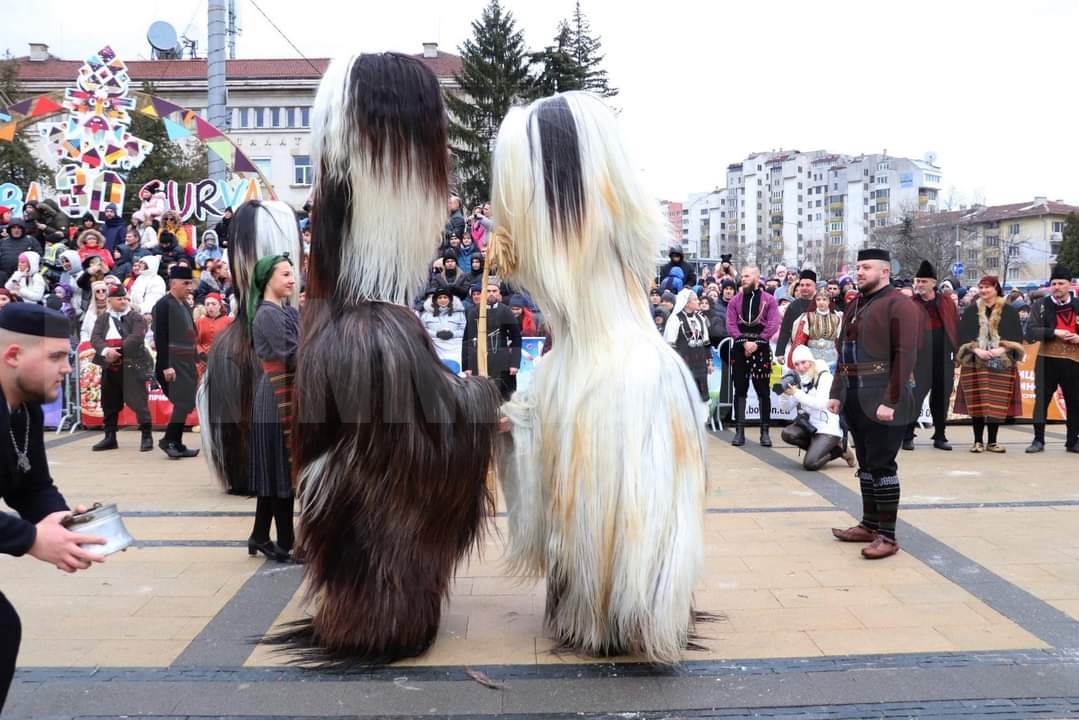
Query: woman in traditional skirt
[
  {"x": 990, "y": 348},
  {"x": 275, "y": 334}
]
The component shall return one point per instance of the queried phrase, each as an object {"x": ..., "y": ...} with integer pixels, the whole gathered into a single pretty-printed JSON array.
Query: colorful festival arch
[{"x": 92, "y": 144}]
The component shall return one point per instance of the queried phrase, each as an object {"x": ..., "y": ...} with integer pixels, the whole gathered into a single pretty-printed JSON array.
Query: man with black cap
[
  {"x": 451, "y": 278},
  {"x": 934, "y": 371},
  {"x": 876, "y": 347},
  {"x": 119, "y": 342},
  {"x": 1053, "y": 323},
  {"x": 34, "y": 349},
  {"x": 174, "y": 337},
  {"x": 803, "y": 296},
  {"x": 689, "y": 278}
]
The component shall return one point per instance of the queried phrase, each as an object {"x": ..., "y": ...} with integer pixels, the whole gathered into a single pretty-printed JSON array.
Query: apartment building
[{"x": 795, "y": 207}]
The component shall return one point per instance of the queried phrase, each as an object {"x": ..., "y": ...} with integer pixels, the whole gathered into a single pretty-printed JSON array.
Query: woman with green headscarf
[{"x": 274, "y": 329}]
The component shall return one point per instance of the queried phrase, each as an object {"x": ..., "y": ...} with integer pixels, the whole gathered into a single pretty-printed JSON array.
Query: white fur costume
[{"x": 604, "y": 471}]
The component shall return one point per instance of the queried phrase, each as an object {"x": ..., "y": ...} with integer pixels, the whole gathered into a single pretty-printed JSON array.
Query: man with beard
[
  {"x": 803, "y": 296},
  {"x": 1052, "y": 322},
  {"x": 934, "y": 373},
  {"x": 752, "y": 318},
  {"x": 502, "y": 345},
  {"x": 34, "y": 344},
  {"x": 876, "y": 349}
]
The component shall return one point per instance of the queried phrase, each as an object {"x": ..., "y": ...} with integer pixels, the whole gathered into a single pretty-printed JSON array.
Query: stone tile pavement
[{"x": 981, "y": 607}]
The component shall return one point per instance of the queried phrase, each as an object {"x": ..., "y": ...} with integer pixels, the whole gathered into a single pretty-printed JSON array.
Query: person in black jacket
[
  {"x": 34, "y": 344},
  {"x": 451, "y": 278},
  {"x": 503, "y": 345},
  {"x": 1054, "y": 322},
  {"x": 174, "y": 338},
  {"x": 455, "y": 225},
  {"x": 689, "y": 278},
  {"x": 16, "y": 243},
  {"x": 222, "y": 229}
]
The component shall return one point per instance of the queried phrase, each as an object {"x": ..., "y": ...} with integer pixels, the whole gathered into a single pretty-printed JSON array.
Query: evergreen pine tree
[
  {"x": 585, "y": 50},
  {"x": 18, "y": 164},
  {"x": 167, "y": 161},
  {"x": 1069, "y": 247},
  {"x": 494, "y": 75},
  {"x": 558, "y": 69}
]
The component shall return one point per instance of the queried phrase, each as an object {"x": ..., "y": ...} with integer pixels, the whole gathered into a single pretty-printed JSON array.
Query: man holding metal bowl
[{"x": 34, "y": 347}]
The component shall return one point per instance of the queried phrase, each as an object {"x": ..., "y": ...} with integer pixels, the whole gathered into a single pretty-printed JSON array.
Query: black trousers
[
  {"x": 741, "y": 379},
  {"x": 124, "y": 386},
  {"x": 820, "y": 449},
  {"x": 1049, "y": 374},
  {"x": 876, "y": 445},
  {"x": 935, "y": 380},
  {"x": 10, "y": 638},
  {"x": 181, "y": 393}
]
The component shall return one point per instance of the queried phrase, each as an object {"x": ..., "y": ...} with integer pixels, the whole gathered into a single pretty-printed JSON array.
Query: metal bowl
[{"x": 103, "y": 520}]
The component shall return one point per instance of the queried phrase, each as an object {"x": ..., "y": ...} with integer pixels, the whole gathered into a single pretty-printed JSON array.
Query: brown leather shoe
[
  {"x": 858, "y": 533},
  {"x": 881, "y": 547}
]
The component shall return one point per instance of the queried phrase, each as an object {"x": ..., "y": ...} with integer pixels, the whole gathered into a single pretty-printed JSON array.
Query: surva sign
[{"x": 193, "y": 201}]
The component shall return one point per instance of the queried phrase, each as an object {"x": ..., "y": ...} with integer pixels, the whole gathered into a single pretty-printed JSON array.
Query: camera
[{"x": 789, "y": 379}]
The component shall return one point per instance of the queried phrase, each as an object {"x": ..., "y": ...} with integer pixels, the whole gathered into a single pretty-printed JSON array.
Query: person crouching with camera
[{"x": 814, "y": 430}]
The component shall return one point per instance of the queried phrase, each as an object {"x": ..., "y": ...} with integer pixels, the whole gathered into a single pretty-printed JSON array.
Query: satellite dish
[
  {"x": 162, "y": 38},
  {"x": 931, "y": 157}
]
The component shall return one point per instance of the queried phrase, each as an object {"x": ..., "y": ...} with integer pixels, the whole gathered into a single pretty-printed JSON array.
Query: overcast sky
[{"x": 984, "y": 85}]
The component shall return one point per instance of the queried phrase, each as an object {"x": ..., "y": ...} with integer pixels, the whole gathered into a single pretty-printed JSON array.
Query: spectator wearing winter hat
[
  {"x": 14, "y": 245},
  {"x": 91, "y": 243},
  {"x": 113, "y": 228},
  {"x": 208, "y": 249},
  {"x": 443, "y": 317},
  {"x": 26, "y": 283},
  {"x": 477, "y": 274},
  {"x": 208, "y": 327},
  {"x": 527, "y": 320},
  {"x": 451, "y": 278},
  {"x": 677, "y": 260}
]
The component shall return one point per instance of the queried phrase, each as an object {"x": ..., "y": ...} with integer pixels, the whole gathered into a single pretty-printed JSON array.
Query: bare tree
[
  {"x": 918, "y": 237},
  {"x": 1013, "y": 255}
]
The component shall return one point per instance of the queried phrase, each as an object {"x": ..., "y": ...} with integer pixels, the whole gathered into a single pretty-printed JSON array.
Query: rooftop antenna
[{"x": 163, "y": 41}]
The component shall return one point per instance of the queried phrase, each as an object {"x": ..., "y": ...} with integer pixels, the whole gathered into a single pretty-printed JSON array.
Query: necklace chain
[{"x": 23, "y": 455}]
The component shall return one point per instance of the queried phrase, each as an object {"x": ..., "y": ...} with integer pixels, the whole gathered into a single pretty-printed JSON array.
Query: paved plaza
[{"x": 978, "y": 616}]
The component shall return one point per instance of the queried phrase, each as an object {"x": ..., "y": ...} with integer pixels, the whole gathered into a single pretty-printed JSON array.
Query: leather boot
[
  {"x": 106, "y": 443},
  {"x": 739, "y": 422},
  {"x": 147, "y": 442},
  {"x": 766, "y": 440}
]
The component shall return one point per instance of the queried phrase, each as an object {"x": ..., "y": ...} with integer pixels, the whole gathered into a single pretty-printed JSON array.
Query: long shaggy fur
[
  {"x": 258, "y": 228},
  {"x": 392, "y": 449},
  {"x": 603, "y": 503}
]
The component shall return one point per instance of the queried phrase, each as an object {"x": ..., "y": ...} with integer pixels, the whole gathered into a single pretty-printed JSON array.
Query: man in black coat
[
  {"x": 35, "y": 346},
  {"x": 503, "y": 344},
  {"x": 174, "y": 337},
  {"x": 1053, "y": 322}
]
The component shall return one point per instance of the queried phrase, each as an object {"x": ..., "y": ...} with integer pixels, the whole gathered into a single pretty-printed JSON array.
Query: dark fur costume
[{"x": 391, "y": 448}]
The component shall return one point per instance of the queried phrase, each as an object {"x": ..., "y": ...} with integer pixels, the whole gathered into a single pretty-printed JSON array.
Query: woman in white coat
[
  {"x": 815, "y": 430},
  {"x": 444, "y": 318},
  {"x": 26, "y": 282},
  {"x": 148, "y": 287}
]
